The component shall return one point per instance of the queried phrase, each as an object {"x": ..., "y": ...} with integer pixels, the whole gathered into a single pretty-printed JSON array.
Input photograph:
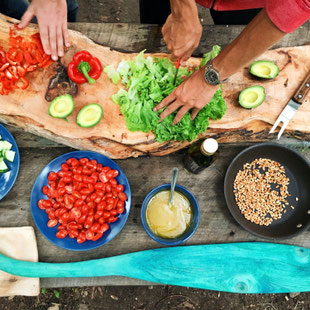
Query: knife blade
[
  {"x": 177, "y": 70},
  {"x": 293, "y": 105}
]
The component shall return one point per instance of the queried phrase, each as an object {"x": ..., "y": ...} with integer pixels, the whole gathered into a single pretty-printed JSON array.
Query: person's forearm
[
  {"x": 255, "y": 39},
  {"x": 183, "y": 8}
]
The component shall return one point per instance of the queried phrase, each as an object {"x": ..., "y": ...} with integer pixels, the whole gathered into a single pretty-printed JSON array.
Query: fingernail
[
  {"x": 54, "y": 57},
  {"x": 67, "y": 44}
]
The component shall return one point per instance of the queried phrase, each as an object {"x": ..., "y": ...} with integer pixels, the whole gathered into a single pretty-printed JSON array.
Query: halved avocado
[
  {"x": 252, "y": 97},
  {"x": 61, "y": 107},
  {"x": 90, "y": 115},
  {"x": 265, "y": 69}
]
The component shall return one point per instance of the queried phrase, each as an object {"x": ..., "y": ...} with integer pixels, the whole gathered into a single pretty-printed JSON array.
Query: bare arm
[
  {"x": 182, "y": 30},
  {"x": 194, "y": 93}
]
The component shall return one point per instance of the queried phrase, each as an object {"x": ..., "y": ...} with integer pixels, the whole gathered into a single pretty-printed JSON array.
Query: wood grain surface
[
  {"x": 28, "y": 109},
  {"x": 144, "y": 173},
  {"x": 254, "y": 267}
]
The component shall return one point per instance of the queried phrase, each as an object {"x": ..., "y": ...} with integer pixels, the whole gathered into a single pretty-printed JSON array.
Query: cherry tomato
[
  {"x": 115, "y": 173},
  {"x": 104, "y": 227},
  {"x": 113, "y": 182},
  {"x": 84, "y": 209},
  {"x": 61, "y": 227},
  {"x": 120, "y": 210},
  {"x": 81, "y": 237},
  {"x": 45, "y": 190},
  {"x": 76, "y": 212},
  {"x": 101, "y": 206},
  {"x": 110, "y": 174},
  {"x": 82, "y": 219},
  {"x": 122, "y": 196},
  {"x": 61, "y": 234},
  {"x": 47, "y": 204},
  {"x": 51, "y": 214},
  {"x": 72, "y": 225},
  {"x": 52, "y": 176},
  {"x": 113, "y": 212},
  {"x": 89, "y": 234},
  {"x": 52, "y": 223},
  {"x": 103, "y": 177},
  {"x": 119, "y": 188},
  {"x": 120, "y": 204},
  {"x": 41, "y": 205},
  {"x": 64, "y": 167},
  {"x": 112, "y": 219},
  {"x": 77, "y": 177},
  {"x": 97, "y": 236},
  {"x": 106, "y": 214},
  {"x": 108, "y": 188},
  {"x": 101, "y": 220},
  {"x": 106, "y": 169},
  {"x": 89, "y": 221}
]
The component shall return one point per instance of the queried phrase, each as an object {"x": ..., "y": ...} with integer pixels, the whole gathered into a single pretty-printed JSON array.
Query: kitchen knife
[
  {"x": 177, "y": 70},
  {"x": 249, "y": 267},
  {"x": 292, "y": 106}
]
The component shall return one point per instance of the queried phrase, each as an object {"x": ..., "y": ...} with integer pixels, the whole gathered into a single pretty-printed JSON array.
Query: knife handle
[{"x": 302, "y": 91}]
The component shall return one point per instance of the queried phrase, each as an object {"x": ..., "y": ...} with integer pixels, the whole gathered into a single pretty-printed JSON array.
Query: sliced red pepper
[
  {"x": 5, "y": 66},
  {"x": 30, "y": 68},
  {"x": 19, "y": 57},
  {"x": 13, "y": 71},
  {"x": 26, "y": 83},
  {"x": 28, "y": 58},
  {"x": 21, "y": 71},
  {"x": 10, "y": 59}
]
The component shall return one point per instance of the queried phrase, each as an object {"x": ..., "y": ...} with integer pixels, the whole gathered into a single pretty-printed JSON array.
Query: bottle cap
[{"x": 209, "y": 146}]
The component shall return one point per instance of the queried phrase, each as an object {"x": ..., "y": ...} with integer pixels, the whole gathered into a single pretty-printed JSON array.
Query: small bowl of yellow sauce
[{"x": 170, "y": 224}]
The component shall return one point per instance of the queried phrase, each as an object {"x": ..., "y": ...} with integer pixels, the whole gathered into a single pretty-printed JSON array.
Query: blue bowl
[
  {"x": 41, "y": 218},
  {"x": 195, "y": 215},
  {"x": 8, "y": 178}
]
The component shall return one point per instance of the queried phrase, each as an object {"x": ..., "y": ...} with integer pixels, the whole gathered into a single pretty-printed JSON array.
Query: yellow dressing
[{"x": 169, "y": 221}]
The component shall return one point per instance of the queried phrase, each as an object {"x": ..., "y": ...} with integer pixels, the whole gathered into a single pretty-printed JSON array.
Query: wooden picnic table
[{"x": 144, "y": 173}]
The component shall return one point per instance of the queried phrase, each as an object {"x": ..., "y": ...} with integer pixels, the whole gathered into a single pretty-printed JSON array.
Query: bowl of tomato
[{"x": 81, "y": 200}]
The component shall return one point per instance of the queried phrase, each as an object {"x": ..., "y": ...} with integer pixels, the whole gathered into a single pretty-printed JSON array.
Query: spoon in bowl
[{"x": 175, "y": 172}]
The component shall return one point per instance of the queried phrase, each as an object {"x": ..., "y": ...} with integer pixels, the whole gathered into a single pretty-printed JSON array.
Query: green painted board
[{"x": 232, "y": 267}]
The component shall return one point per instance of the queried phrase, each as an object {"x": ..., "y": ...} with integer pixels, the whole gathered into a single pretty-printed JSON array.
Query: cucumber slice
[
  {"x": 61, "y": 107},
  {"x": 90, "y": 115},
  {"x": 1, "y": 146},
  {"x": 252, "y": 97},
  {"x": 3, "y": 166},
  {"x": 9, "y": 155},
  {"x": 6, "y": 145}
]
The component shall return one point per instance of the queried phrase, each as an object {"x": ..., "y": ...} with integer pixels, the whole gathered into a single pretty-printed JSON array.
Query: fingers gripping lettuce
[{"x": 147, "y": 82}]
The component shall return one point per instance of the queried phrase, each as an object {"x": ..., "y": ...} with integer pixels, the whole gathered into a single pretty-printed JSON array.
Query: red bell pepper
[{"x": 84, "y": 68}]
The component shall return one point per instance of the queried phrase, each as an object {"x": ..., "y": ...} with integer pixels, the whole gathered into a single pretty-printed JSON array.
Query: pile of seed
[{"x": 260, "y": 190}]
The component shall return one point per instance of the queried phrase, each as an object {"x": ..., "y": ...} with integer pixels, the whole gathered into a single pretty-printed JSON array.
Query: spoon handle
[{"x": 175, "y": 172}]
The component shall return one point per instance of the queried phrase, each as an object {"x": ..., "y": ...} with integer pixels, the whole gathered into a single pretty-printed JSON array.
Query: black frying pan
[{"x": 297, "y": 169}]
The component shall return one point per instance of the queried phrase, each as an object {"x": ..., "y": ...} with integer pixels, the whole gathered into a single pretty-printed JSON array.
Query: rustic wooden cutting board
[{"x": 28, "y": 109}]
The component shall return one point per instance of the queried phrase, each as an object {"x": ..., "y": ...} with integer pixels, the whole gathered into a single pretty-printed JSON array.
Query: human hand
[
  {"x": 52, "y": 20},
  {"x": 193, "y": 94},
  {"x": 182, "y": 35}
]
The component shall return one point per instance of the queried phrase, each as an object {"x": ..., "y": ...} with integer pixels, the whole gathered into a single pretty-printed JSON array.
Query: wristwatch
[{"x": 211, "y": 75}]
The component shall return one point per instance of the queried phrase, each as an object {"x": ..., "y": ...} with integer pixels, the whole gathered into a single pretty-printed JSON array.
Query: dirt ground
[{"x": 148, "y": 297}]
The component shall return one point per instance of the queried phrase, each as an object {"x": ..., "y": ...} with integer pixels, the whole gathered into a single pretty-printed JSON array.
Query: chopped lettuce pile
[{"x": 148, "y": 81}]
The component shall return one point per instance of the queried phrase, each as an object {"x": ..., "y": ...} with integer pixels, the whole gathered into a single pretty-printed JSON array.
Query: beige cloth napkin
[{"x": 19, "y": 243}]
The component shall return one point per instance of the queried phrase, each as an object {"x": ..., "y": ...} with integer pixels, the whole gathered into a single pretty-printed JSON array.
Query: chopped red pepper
[
  {"x": 84, "y": 68},
  {"x": 23, "y": 56}
]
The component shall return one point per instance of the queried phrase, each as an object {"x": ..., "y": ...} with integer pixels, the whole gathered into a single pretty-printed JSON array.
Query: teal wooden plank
[{"x": 233, "y": 267}]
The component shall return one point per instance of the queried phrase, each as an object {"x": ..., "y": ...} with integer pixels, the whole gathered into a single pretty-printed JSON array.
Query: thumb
[{"x": 26, "y": 18}]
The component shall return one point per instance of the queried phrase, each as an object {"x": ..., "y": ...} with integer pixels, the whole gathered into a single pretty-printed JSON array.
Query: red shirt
[{"x": 287, "y": 15}]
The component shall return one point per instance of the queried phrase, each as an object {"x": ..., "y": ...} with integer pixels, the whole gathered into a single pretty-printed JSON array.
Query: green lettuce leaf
[
  {"x": 112, "y": 74},
  {"x": 147, "y": 82}
]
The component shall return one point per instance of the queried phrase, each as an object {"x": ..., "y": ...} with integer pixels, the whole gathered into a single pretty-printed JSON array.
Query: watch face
[{"x": 212, "y": 77}]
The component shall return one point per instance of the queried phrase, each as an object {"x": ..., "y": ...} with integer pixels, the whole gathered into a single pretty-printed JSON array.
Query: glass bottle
[{"x": 200, "y": 155}]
